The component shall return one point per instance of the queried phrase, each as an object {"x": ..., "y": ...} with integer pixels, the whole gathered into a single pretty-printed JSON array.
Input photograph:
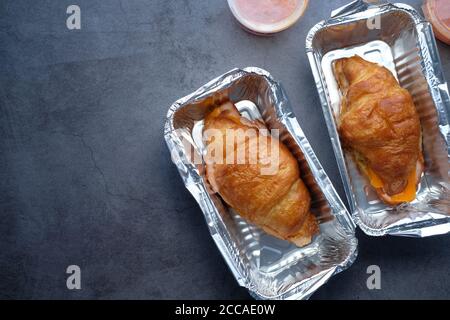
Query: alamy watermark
[
  {"x": 73, "y": 281},
  {"x": 374, "y": 280},
  {"x": 374, "y": 22},
  {"x": 73, "y": 21}
]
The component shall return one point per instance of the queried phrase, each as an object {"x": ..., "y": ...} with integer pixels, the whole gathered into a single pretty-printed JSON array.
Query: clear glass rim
[{"x": 268, "y": 28}]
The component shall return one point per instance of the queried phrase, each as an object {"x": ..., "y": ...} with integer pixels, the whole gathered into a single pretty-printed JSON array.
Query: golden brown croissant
[
  {"x": 276, "y": 200},
  {"x": 379, "y": 124}
]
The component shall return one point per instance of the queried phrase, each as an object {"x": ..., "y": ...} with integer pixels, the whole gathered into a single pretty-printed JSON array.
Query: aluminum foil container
[
  {"x": 396, "y": 36},
  {"x": 270, "y": 268}
]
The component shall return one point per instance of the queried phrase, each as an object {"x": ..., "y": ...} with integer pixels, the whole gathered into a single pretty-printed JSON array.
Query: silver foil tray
[
  {"x": 396, "y": 36},
  {"x": 270, "y": 268}
]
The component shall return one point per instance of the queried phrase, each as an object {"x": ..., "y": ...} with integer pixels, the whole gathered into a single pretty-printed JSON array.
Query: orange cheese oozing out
[{"x": 407, "y": 195}]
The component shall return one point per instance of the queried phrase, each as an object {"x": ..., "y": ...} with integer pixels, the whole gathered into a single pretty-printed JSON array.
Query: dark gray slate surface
[{"x": 85, "y": 175}]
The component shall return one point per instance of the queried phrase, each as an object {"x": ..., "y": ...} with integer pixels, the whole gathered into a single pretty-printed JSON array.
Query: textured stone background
[{"x": 85, "y": 175}]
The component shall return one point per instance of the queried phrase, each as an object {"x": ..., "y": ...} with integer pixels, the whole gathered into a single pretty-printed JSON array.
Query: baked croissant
[
  {"x": 277, "y": 200},
  {"x": 379, "y": 124}
]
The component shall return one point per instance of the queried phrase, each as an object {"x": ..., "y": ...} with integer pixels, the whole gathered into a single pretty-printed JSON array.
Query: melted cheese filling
[{"x": 407, "y": 195}]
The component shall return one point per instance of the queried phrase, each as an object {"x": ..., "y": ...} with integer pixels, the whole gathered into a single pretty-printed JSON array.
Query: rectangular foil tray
[
  {"x": 270, "y": 268},
  {"x": 396, "y": 36}
]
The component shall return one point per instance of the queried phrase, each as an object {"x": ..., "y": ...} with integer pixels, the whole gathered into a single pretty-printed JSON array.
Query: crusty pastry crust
[
  {"x": 379, "y": 124},
  {"x": 279, "y": 202}
]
